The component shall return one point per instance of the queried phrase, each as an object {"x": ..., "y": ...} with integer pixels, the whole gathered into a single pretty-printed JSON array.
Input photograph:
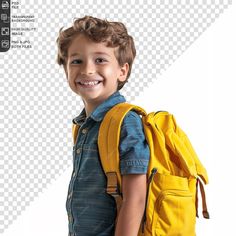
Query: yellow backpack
[{"x": 173, "y": 172}]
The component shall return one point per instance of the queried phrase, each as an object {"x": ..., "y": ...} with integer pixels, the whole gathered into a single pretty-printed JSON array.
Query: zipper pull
[{"x": 154, "y": 171}]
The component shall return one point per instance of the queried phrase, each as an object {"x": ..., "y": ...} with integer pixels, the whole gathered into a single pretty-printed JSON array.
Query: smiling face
[{"x": 93, "y": 71}]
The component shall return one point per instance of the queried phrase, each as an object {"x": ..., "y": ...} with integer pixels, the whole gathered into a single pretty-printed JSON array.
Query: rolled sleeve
[{"x": 133, "y": 147}]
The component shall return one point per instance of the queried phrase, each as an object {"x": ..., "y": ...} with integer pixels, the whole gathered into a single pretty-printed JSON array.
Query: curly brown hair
[{"x": 114, "y": 34}]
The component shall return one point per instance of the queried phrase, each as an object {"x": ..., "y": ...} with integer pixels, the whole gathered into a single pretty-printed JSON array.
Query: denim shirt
[{"x": 91, "y": 211}]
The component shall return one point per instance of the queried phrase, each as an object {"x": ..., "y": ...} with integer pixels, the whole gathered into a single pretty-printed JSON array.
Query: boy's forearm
[{"x": 129, "y": 218}]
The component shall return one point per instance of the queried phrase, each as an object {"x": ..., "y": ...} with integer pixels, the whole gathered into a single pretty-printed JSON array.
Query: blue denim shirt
[{"x": 91, "y": 211}]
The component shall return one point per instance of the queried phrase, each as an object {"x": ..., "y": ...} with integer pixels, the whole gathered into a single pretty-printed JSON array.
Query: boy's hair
[{"x": 114, "y": 34}]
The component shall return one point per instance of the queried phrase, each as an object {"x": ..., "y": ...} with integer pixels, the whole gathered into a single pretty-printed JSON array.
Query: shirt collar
[
  {"x": 100, "y": 111},
  {"x": 80, "y": 118}
]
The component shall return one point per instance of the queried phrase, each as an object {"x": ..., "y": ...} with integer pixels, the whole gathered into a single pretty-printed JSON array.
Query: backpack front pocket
[{"x": 173, "y": 214}]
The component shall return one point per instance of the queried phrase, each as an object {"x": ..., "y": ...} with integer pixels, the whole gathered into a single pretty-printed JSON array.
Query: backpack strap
[
  {"x": 108, "y": 141},
  {"x": 75, "y": 129},
  {"x": 205, "y": 212}
]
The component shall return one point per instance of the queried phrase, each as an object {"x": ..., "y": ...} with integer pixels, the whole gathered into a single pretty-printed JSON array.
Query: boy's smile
[{"x": 93, "y": 71}]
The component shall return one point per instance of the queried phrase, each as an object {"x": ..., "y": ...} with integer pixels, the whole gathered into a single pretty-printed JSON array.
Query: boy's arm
[{"x": 133, "y": 204}]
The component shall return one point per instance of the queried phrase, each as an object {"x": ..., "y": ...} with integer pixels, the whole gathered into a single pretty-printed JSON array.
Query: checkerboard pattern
[{"x": 36, "y": 104}]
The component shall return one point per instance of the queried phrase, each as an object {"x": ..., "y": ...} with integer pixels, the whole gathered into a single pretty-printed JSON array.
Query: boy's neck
[{"x": 89, "y": 108}]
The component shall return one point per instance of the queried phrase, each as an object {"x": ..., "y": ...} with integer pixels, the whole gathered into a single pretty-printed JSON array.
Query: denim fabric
[{"x": 91, "y": 211}]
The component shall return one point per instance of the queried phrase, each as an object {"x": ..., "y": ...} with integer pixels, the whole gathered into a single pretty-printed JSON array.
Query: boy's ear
[{"x": 123, "y": 72}]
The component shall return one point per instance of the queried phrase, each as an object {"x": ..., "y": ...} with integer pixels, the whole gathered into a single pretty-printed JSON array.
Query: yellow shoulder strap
[
  {"x": 75, "y": 129},
  {"x": 109, "y": 136}
]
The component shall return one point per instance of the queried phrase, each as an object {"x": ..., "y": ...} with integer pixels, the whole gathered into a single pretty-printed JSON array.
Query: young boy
[{"x": 97, "y": 57}]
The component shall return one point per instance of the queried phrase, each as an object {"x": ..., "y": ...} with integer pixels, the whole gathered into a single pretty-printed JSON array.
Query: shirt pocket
[{"x": 88, "y": 150}]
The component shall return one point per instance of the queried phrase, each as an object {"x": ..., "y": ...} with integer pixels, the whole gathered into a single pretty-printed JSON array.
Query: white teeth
[{"x": 89, "y": 83}]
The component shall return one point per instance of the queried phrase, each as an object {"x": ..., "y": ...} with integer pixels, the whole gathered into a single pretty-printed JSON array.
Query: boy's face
[{"x": 92, "y": 70}]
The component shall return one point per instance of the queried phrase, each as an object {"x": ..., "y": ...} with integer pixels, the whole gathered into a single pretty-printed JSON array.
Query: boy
[{"x": 97, "y": 57}]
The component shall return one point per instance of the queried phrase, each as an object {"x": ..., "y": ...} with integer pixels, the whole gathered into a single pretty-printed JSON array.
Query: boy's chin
[{"x": 89, "y": 95}]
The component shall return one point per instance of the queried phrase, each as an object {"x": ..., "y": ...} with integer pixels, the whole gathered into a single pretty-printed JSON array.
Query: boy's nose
[{"x": 88, "y": 68}]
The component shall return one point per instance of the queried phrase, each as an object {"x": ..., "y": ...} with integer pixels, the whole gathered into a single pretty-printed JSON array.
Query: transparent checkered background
[{"x": 36, "y": 104}]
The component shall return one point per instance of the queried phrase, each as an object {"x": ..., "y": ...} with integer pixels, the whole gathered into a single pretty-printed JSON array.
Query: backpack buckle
[{"x": 112, "y": 184}]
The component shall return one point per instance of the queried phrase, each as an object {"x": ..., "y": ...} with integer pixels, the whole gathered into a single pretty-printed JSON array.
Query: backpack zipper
[{"x": 154, "y": 171}]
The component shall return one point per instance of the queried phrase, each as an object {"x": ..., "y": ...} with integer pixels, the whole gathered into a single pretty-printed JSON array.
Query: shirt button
[
  {"x": 73, "y": 174},
  {"x": 70, "y": 194},
  {"x": 84, "y": 131},
  {"x": 78, "y": 151},
  {"x": 70, "y": 217}
]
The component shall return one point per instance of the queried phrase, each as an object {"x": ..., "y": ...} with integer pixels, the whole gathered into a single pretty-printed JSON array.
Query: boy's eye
[
  {"x": 77, "y": 61},
  {"x": 100, "y": 60}
]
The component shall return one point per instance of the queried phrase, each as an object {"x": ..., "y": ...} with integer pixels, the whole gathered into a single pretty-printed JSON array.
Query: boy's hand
[{"x": 133, "y": 204}]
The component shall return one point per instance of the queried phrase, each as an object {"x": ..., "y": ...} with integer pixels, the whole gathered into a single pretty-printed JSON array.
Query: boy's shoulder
[
  {"x": 132, "y": 119},
  {"x": 133, "y": 115}
]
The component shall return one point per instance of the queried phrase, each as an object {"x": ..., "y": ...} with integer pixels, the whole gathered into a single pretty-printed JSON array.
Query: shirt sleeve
[{"x": 133, "y": 147}]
